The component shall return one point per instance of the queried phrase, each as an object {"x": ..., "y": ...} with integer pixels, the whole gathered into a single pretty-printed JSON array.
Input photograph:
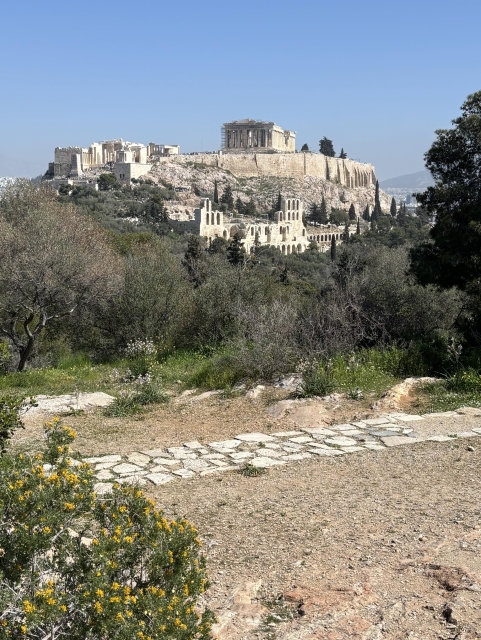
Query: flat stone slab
[
  {"x": 214, "y": 456},
  {"x": 320, "y": 445},
  {"x": 254, "y": 437},
  {"x": 353, "y": 432},
  {"x": 103, "y": 459},
  {"x": 287, "y": 434},
  {"x": 193, "y": 445},
  {"x": 269, "y": 453},
  {"x": 383, "y": 434},
  {"x": 185, "y": 455},
  {"x": 168, "y": 462},
  {"x": 209, "y": 472},
  {"x": 219, "y": 463},
  {"x": 154, "y": 453},
  {"x": 341, "y": 441},
  {"x": 105, "y": 465},
  {"x": 159, "y": 478},
  {"x": 184, "y": 473},
  {"x": 241, "y": 455},
  {"x": 373, "y": 447},
  {"x": 467, "y": 434},
  {"x": 225, "y": 444},
  {"x": 476, "y": 430},
  {"x": 342, "y": 427},
  {"x": 174, "y": 450},
  {"x": 196, "y": 465},
  {"x": 300, "y": 440},
  {"x": 132, "y": 480},
  {"x": 331, "y": 453},
  {"x": 439, "y": 438},
  {"x": 376, "y": 421},
  {"x": 394, "y": 441},
  {"x": 319, "y": 431},
  {"x": 126, "y": 467},
  {"x": 409, "y": 418},
  {"x": 290, "y": 446},
  {"x": 104, "y": 474},
  {"x": 297, "y": 456},
  {"x": 69, "y": 402},
  {"x": 102, "y": 488},
  {"x": 272, "y": 445},
  {"x": 159, "y": 469},
  {"x": 352, "y": 449},
  {"x": 264, "y": 463},
  {"x": 138, "y": 458}
]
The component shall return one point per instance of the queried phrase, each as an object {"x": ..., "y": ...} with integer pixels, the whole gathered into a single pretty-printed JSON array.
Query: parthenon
[{"x": 255, "y": 135}]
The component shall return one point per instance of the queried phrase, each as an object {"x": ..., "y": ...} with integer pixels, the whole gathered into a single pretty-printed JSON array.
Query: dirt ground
[{"x": 373, "y": 545}]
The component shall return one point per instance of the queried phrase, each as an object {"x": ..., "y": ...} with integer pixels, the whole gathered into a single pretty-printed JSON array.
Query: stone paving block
[
  {"x": 298, "y": 456},
  {"x": 272, "y": 445},
  {"x": 174, "y": 450},
  {"x": 126, "y": 467},
  {"x": 185, "y": 474},
  {"x": 193, "y": 445},
  {"x": 104, "y": 465},
  {"x": 209, "y": 472},
  {"x": 320, "y": 445},
  {"x": 300, "y": 440},
  {"x": 185, "y": 456},
  {"x": 319, "y": 431},
  {"x": 287, "y": 434},
  {"x": 395, "y": 441},
  {"x": 439, "y": 438},
  {"x": 138, "y": 458},
  {"x": 137, "y": 473},
  {"x": 166, "y": 461},
  {"x": 196, "y": 465},
  {"x": 223, "y": 451},
  {"x": 219, "y": 463},
  {"x": 225, "y": 444},
  {"x": 383, "y": 434},
  {"x": 376, "y": 421},
  {"x": 395, "y": 429},
  {"x": 269, "y": 453},
  {"x": 214, "y": 456},
  {"x": 291, "y": 447},
  {"x": 353, "y": 432},
  {"x": 341, "y": 427},
  {"x": 326, "y": 452},
  {"x": 264, "y": 462},
  {"x": 103, "y": 459},
  {"x": 352, "y": 449},
  {"x": 373, "y": 447},
  {"x": 410, "y": 418},
  {"x": 202, "y": 451},
  {"x": 476, "y": 430},
  {"x": 241, "y": 455},
  {"x": 102, "y": 488},
  {"x": 159, "y": 478},
  {"x": 159, "y": 469},
  {"x": 360, "y": 425},
  {"x": 341, "y": 441},
  {"x": 254, "y": 437},
  {"x": 448, "y": 414},
  {"x": 154, "y": 453},
  {"x": 104, "y": 474},
  {"x": 467, "y": 434}
]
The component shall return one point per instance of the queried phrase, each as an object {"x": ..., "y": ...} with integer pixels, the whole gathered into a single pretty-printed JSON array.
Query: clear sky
[{"x": 375, "y": 76}]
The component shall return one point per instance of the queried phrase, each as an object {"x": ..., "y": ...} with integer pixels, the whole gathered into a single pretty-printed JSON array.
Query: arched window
[
  {"x": 218, "y": 217},
  {"x": 267, "y": 231},
  {"x": 284, "y": 249},
  {"x": 288, "y": 249},
  {"x": 252, "y": 231},
  {"x": 206, "y": 218}
]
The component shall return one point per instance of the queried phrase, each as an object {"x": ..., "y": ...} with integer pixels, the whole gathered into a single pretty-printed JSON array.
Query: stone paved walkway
[{"x": 194, "y": 460}]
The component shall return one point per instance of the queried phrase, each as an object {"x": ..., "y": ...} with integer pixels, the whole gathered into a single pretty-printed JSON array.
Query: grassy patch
[
  {"x": 130, "y": 402},
  {"x": 443, "y": 396}
]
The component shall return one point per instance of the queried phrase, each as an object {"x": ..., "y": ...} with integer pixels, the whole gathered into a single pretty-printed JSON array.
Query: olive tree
[{"x": 53, "y": 261}]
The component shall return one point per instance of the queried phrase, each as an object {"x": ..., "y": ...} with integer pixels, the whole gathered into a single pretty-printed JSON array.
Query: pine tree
[
  {"x": 326, "y": 147},
  {"x": 216, "y": 193},
  {"x": 284, "y": 276},
  {"x": 333, "y": 247},
  {"x": 304, "y": 147},
  {"x": 343, "y": 154},
  {"x": 358, "y": 229},
  {"x": 352, "y": 212},
  {"x": 393, "y": 208},
  {"x": 235, "y": 251},
  {"x": 228, "y": 198},
  {"x": 279, "y": 202},
  {"x": 192, "y": 257}
]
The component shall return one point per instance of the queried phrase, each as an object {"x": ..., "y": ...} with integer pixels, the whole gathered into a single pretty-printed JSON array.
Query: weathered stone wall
[{"x": 287, "y": 165}]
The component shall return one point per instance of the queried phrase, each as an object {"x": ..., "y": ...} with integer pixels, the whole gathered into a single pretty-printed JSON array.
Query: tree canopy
[{"x": 326, "y": 147}]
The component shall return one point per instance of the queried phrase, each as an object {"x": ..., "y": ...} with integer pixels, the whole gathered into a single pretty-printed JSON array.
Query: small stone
[
  {"x": 225, "y": 444},
  {"x": 300, "y": 440},
  {"x": 410, "y": 418},
  {"x": 326, "y": 452},
  {"x": 469, "y": 448},
  {"x": 126, "y": 467},
  {"x": 394, "y": 441},
  {"x": 159, "y": 478},
  {"x": 184, "y": 473},
  {"x": 297, "y": 456},
  {"x": 214, "y": 456},
  {"x": 241, "y": 455},
  {"x": 254, "y": 437},
  {"x": 195, "y": 465},
  {"x": 319, "y": 431}
]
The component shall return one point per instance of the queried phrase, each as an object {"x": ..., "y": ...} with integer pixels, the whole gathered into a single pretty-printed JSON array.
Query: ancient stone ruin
[{"x": 254, "y": 135}]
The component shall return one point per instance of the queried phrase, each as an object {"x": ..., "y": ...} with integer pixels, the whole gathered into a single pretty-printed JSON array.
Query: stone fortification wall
[{"x": 288, "y": 165}]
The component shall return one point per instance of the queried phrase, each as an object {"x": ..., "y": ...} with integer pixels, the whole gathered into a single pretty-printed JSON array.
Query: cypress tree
[
  {"x": 346, "y": 231},
  {"x": 239, "y": 205},
  {"x": 235, "y": 251},
  {"x": 365, "y": 215},
  {"x": 352, "y": 212},
  {"x": 333, "y": 247},
  {"x": 216, "y": 193},
  {"x": 377, "y": 212},
  {"x": 393, "y": 208},
  {"x": 279, "y": 202},
  {"x": 358, "y": 229},
  {"x": 228, "y": 198},
  {"x": 304, "y": 147},
  {"x": 323, "y": 216},
  {"x": 326, "y": 147},
  {"x": 343, "y": 154}
]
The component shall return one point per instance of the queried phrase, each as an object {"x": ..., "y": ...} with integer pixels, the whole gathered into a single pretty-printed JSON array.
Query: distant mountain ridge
[{"x": 412, "y": 181}]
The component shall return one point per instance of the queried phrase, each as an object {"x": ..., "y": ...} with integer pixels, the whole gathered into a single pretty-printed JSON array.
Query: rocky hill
[{"x": 199, "y": 178}]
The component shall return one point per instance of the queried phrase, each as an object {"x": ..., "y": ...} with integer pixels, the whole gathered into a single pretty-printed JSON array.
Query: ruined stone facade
[
  {"x": 243, "y": 136},
  {"x": 73, "y": 162},
  {"x": 286, "y": 231}
]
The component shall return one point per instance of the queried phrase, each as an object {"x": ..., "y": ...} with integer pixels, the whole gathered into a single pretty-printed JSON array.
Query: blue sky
[{"x": 377, "y": 77}]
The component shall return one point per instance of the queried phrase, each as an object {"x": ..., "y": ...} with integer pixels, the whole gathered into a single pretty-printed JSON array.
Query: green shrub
[
  {"x": 142, "y": 355},
  {"x": 317, "y": 379},
  {"x": 131, "y": 401},
  {"x": 9, "y": 419},
  {"x": 79, "y": 566}
]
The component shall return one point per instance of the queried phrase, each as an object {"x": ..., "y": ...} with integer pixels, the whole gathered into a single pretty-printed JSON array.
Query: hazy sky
[{"x": 377, "y": 77}]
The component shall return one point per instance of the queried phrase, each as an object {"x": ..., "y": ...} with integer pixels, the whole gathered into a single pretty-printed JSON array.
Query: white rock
[
  {"x": 102, "y": 488},
  {"x": 104, "y": 465},
  {"x": 241, "y": 455},
  {"x": 103, "y": 459},
  {"x": 184, "y": 473},
  {"x": 166, "y": 461},
  {"x": 341, "y": 441},
  {"x": 300, "y": 440},
  {"x": 159, "y": 478},
  {"x": 104, "y": 474},
  {"x": 254, "y": 437},
  {"x": 138, "y": 458},
  {"x": 195, "y": 465},
  {"x": 326, "y": 452},
  {"x": 263, "y": 462},
  {"x": 154, "y": 453},
  {"x": 297, "y": 456},
  {"x": 319, "y": 431},
  {"x": 132, "y": 480},
  {"x": 126, "y": 467},
  {"x": 394, "y": 441},
  {"x": 287, "y": 434},
  {"x": 225, "y": 444},
  {"x": 193, "y": 445}
]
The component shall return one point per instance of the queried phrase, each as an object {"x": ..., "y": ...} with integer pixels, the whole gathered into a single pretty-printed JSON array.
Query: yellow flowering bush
[{"x": 90, "y": 568}]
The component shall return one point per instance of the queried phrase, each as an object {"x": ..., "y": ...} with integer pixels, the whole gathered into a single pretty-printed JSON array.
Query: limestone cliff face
[{"x": 307, "y": 176}]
